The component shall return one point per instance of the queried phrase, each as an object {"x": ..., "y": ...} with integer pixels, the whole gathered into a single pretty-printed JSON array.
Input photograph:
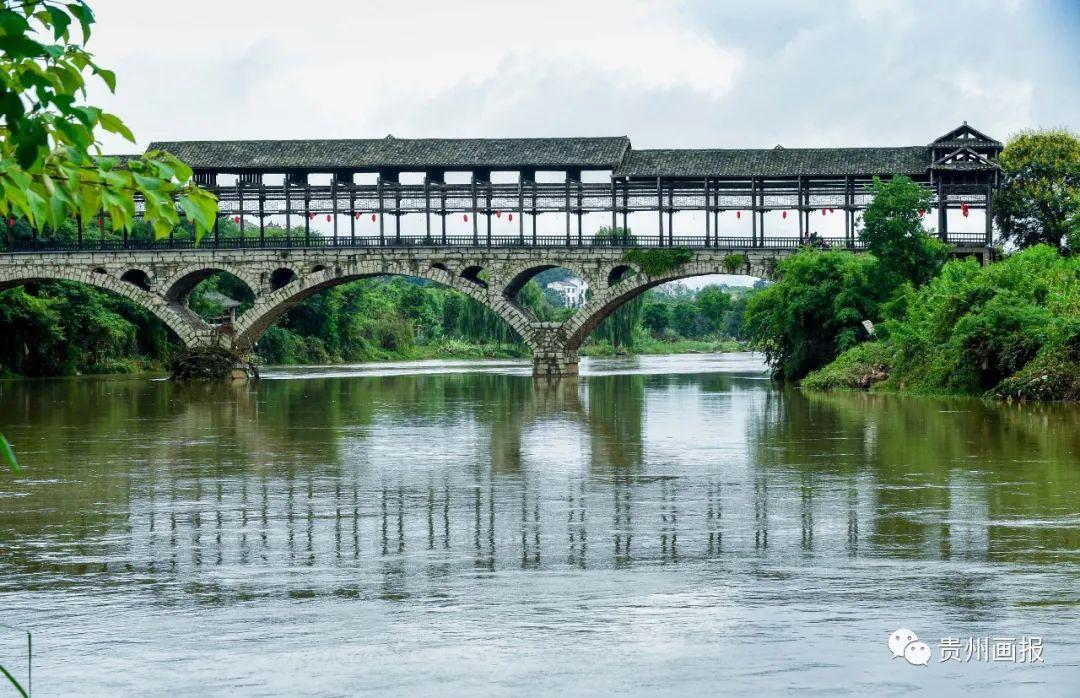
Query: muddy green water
[{"x": 666, "y": 525}]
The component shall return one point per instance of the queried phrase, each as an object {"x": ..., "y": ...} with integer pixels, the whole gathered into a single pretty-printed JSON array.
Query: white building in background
[{"x": 572, "y": 291}]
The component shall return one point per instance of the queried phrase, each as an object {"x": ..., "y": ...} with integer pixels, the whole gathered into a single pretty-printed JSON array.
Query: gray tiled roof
[
  {"x": 775, "y": 162},
  {"x": 402, "y": 153}
]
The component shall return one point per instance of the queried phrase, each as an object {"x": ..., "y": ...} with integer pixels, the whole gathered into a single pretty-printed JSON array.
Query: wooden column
[
  {"x": 521, "y": 208},
  {"x": 534, "y": 213},
  {"x": 487, "y": 209},
  {"x": 671, "y": 213},
  {"x": 397, "y": 211},
  {"x": 801, "y": 209},
  {"x": 580, "y": 203},
  {"x": 716, "y": 213},
  {"x": 333, "y": 206},
  {"x": 475, "y": 225},
  {"x": 352, "y": 215},
  {"x": 567, "y": 209},
  {"x": 753, "y": 213},
  {"x": 262, "y": 215},
  {"x": 761, "y": 214},
  {"x": 240, "y": 198},
  {"x": 614, "y": 210},
  {"x": 943, "y": 212},
  {"x": 847, "y": 211},
  {"x": 307, "y": 215},
  {"x": 708, "y": 210},
  {"x": 382, "y": 226},
  {"x": 288, "y": 206},
  {"x": 442, "y": 210},
  {"x": 79, "y": 230},
  {"x": 427, "y": 210},
  {"x": 989, "y": 237},
  {"x": 626, "y": 211},
  {"x": 660, "y": 210},
  {"x": 438, "y": 178}
]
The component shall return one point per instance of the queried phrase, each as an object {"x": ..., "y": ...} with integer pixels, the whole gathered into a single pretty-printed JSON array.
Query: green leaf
[
  {"x": 60, "y": 21},
  {"x": 113, "y": 124},
  {"x": 109, "y": 78},
  {"x": 80, "y": 11},
  {"x": 8, "y": 455}
]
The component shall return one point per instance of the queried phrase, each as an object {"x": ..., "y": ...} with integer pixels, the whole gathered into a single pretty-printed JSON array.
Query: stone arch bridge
[{"x": 162, "y": 281}]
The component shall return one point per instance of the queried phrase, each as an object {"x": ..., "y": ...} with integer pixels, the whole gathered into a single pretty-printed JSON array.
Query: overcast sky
[{"x": 678, "y": 74}]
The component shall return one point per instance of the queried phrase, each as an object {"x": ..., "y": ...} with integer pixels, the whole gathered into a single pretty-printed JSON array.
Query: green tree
[
  {"x": 1039, "y": 201},
  {"x": 51, "y": 164},
  {"x": 684, "y": 315},
  {"x": 893, "y": 232},
  {"x": 815, "y": 311},
  {"x": 656, "y": 317},
  {"x": 713, "y": 304}
]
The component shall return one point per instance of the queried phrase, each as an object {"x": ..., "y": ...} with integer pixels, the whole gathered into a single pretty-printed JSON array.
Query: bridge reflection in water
[{"x": 390, "y": 486}]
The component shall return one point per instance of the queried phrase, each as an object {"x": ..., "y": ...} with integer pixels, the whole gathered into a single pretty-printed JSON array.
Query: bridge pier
[{"x": 552, "y": 358}]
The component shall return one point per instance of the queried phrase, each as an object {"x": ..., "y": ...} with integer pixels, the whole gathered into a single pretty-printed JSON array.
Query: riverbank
[{"x": 1008, "y": 331}]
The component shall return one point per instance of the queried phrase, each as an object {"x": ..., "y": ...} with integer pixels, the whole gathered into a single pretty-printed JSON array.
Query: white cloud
[{"x": 276, "y": 70}]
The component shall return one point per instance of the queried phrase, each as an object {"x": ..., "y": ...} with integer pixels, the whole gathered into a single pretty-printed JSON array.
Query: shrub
[
  {"x": 858, "y": 368},
  {"x": 658, "y": 261}
]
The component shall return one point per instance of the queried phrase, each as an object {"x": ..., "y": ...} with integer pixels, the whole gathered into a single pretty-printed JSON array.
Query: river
[{"x": 662, "y": 525}]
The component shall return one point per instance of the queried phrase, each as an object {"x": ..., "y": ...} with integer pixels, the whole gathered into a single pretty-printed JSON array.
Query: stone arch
[
  {"x": 188, "y": 327},
  {"x": 137, "y": 277},
  {"x": 580, "y": 325},
  {"x": 269, "y": 308},
  {"x": 519, "y": 275},
  {"x": 620, "y": 272},
  {"x": 283, "y": 276},
  {"x": 517, "y": 281},
  {"x": 179, "y": 286},
  {"x": 472, "y": 275}
]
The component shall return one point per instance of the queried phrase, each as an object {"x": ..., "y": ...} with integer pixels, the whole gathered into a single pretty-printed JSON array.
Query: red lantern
[
  {"x": 964, "y": 209},
  {"x": 373, "y": 218},
  {"x": 498, "y": 214},
  {"x": 311, "y": 215},
  {"x": 783, "y": 214},
  {"x": 738, "y": 214},
  {"x": 236, "y": 219},
  {"x": 11, "y": 222},
  {"x": 328, "y": 218},
  {"x": 356, "y": 215},
  {"x": 922, "y": 212},
  {"x": 830, "y": 210},
  {"x": 823, "y": 212},
  {"x": 466, "y": 217},
  {"x": 510, "y": 217}
]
